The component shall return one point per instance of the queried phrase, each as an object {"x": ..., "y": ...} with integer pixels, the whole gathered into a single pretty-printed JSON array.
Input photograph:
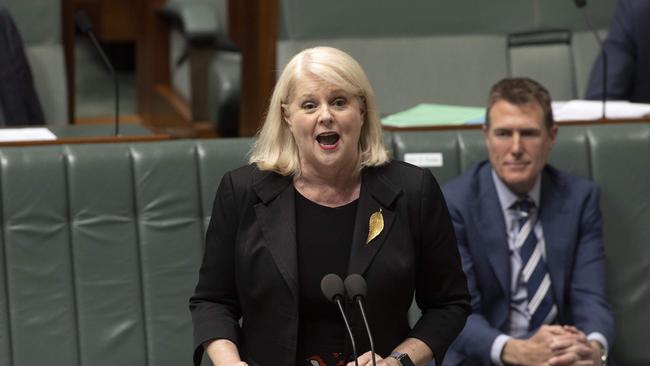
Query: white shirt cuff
[
  {"x": 598, "y": 337},
  {"x": 497, "y": 348}
]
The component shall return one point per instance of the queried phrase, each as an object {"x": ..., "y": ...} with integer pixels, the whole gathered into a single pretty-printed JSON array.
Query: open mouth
[{"x": 328, "y": 139}]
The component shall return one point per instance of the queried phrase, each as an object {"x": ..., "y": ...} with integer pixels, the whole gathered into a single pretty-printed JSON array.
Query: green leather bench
[{"x": 101, "y": 244}]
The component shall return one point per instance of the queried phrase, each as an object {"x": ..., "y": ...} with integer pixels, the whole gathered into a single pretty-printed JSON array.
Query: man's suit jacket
[
  {"x": 250, "y": 265},
  {"x": 572, "y": 227},
  {"x": 628, "y": 55},
  {"x": 19, "y": 103}
]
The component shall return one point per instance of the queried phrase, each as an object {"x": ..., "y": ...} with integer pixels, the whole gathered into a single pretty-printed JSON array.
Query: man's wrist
[
  {"x": 497, "y": 349},
  {"x": 600, "y": 353},
  {"x": 511, "y": 352}
]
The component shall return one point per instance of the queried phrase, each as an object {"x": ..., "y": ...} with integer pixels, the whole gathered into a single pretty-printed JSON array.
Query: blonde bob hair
[{"x": 275, "y": 148}]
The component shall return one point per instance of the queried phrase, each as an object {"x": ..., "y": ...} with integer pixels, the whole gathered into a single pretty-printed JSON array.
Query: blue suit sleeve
[
  {"x": 476, "y": 339},
  {"x": 589, "y": 306}
]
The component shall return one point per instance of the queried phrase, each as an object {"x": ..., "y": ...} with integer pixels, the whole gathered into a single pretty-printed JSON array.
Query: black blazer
[{"x": 250, "y": 267}]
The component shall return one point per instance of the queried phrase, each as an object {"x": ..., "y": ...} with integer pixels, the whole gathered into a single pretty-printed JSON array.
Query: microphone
[
  {"x": 580, "y": 4},
  {"x": 355, "y": 286},
  {"x": 332, "y": 287},
  {"x": 85, "y": 26}
]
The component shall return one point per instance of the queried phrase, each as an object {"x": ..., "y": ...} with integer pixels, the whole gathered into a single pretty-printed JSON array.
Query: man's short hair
[{"x": 521, "y": 91}]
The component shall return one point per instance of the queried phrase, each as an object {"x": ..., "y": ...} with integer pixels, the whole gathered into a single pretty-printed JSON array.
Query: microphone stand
[
  {"x": 92, "y": 37},
  {"x": 85, "y": 26},
  {"x": 359, "y": 300},
  {"x": 332, "y": 287},
  {"x": 347, "y": 326}
]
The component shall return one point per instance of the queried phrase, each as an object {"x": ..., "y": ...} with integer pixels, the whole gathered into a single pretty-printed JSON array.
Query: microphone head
[
  {"x": 355, "y": 286},
  {"x": 332, "y": 287},
  {"x": 83, "y": 22},
  {"x": 580, "y": 3}
]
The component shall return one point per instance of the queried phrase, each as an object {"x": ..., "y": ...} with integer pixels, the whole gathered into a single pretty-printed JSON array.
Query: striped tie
[{"x": 541, "y": 306}]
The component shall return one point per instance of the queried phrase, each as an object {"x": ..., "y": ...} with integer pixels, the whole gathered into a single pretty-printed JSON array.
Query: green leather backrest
[
  {"x": 100, "y": 249},
  {"x": 617, "y": 158},
  {"x": 620, "y": 165}
]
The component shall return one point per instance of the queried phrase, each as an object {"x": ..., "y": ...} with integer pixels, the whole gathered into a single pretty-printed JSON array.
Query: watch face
[{"x": 403, "y": 358}]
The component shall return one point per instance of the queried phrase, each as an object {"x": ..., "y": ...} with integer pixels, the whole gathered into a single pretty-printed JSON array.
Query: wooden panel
[
  {"x": 87, "y": 140},
  {"x": 113, "y": 20},
  {"x": 254, "y": 28},
  {"x": 152, "y": 55},
  {"x": 68, "y": 32},
  {"x": 118, "y": 21}
]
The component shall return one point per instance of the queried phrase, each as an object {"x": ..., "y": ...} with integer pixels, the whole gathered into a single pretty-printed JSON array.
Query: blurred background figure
[
  {"x": 19, "y": 104},
  {"x": 628, "y": 55}
]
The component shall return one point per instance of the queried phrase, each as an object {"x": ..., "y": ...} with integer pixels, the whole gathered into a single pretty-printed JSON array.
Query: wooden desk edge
[
  {"x": 88, "y": 140},
  {"x": 480, "y": 125}
]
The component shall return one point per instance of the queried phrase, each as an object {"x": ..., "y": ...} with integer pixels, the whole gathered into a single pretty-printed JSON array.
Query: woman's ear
[{"x": 284, "y": 109}]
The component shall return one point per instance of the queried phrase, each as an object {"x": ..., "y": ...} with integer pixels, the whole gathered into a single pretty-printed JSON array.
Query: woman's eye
[
  {"x": 339, "y": 102},
  {"x": 308, "y": 105}
]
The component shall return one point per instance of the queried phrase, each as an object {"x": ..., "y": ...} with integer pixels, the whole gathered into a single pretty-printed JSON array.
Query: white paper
[
  {"x": 586, "y": 110},
  {"x": 424, "y": 160},
  {"x": 26, "y": 134}
]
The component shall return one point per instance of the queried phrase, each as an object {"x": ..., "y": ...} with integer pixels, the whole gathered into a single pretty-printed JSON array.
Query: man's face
[{"x": 518, "y": 143}]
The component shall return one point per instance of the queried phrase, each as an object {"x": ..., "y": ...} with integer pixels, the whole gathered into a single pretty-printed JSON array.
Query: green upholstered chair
[{"x": 545, "y": 56}]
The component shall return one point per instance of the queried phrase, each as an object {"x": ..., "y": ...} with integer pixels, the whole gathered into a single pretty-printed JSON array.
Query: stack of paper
[
  {"x": 25, "y": 134},
  {"x": 424, "y": 115},
  {"x": 585, "y": 110}
]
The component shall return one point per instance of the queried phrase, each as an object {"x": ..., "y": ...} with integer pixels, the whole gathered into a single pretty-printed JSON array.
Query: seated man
[{"x": 530, "y": 237}]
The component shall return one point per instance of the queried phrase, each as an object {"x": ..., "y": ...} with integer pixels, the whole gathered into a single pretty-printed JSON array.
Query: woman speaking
[{"x": 321, "y": 196}]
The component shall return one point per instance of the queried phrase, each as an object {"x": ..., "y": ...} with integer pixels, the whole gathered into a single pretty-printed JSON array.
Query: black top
[{"x": 324, "y": 238}]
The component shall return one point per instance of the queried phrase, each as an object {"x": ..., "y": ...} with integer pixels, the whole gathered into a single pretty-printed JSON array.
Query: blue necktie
[{"x": 541, "y": 306}]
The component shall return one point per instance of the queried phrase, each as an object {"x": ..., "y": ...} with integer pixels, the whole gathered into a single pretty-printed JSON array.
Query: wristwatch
[{"x": 402, "y": 358}]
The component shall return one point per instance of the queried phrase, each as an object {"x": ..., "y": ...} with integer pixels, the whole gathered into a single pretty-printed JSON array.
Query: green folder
[{"x": 425, "y": 114}]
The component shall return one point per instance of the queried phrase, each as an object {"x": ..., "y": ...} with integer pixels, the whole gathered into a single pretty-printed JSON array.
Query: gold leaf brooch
[{"x": 376, "y": 225}]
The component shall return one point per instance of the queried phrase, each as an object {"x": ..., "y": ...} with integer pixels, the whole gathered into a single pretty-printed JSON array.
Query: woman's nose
[{"x": 324, "y": 114}]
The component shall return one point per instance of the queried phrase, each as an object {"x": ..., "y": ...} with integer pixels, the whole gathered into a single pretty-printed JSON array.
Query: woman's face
[{"x": 326, "y": 124}]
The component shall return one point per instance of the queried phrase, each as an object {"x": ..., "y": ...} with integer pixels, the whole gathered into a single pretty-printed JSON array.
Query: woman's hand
[
  {"x": 366, "y": 360},
  {"x": 223, "y": 352}
]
